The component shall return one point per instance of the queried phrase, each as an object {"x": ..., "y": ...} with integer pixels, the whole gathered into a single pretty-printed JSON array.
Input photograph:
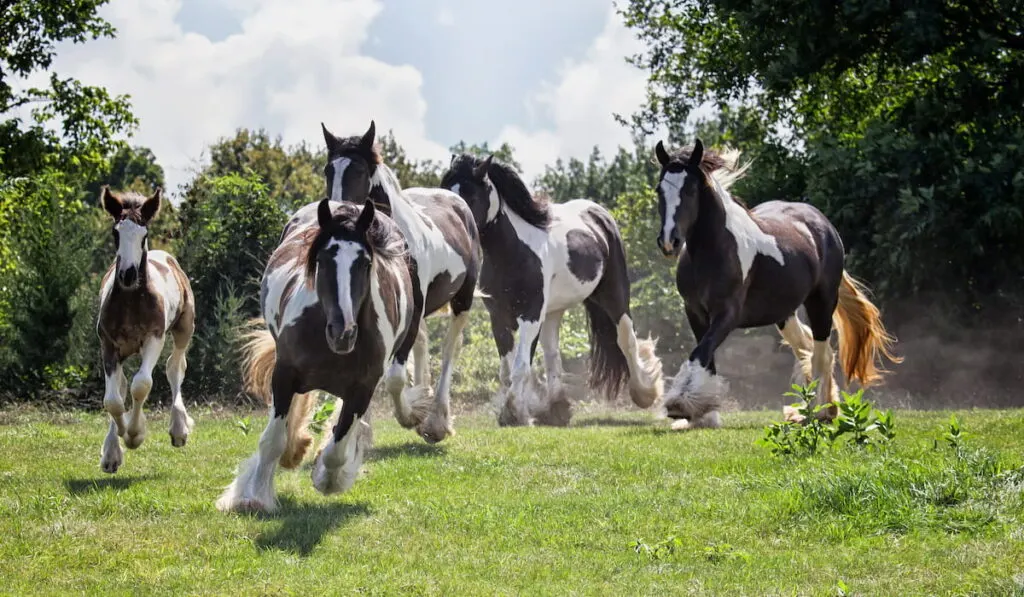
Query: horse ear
[
  {"x": 323, "y": 213},
  {"x": 366, "y": 143},
  {"x": 111, "y": 202},
  {"x": 366, "y": 217},
  {"x": 151, "y": 207},
  {"x": 663, "y": 157},
  {"x": 697, "y": 156},
  {"x": 333, "y": 143},
  {"x": 481, "y": 169}
]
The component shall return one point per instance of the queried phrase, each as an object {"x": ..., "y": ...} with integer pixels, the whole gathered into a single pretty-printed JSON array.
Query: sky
[{"x": 545, "y": 76}]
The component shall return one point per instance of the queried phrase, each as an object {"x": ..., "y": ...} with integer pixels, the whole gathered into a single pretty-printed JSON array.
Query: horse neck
[
  {"x": 714, "y": 210},
  {"x": 400, "y": 205},
  {"x": 500, "y": 233}
]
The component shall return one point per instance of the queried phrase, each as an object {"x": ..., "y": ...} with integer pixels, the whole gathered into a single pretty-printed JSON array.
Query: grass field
[{"x": 616, "y": 504}]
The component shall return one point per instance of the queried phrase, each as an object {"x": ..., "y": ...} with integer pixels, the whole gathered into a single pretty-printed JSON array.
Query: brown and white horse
[
  {"x": 337, "y": 303},
  {"x": 744, "y": 268},
  {"x": 144, "y": 295}
]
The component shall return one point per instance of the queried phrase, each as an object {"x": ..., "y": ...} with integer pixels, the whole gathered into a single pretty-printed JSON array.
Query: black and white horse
[
  {"x": 445, "y": 250},
  {"x": 144, "y": 295},
  {"x": 337, "y": 303},
  {"x": 741, "y": 268},
  {"x": 541, "y": 259}
]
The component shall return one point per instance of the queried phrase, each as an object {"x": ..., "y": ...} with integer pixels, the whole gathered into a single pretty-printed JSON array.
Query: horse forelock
[
  {"x": 383, "y": 240},
  {"x": 131, "y": 207}
]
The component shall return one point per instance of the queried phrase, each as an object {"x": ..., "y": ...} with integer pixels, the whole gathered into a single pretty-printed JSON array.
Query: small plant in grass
[
  {"x": 660, "y": 550},
  {"x": 954, "y": 433},
  {"x": 723, "y": 552},
  {"x": 245, "y": 425},
  {"x": 856, "y": 419},
  {"x": 321, "y": 416}
]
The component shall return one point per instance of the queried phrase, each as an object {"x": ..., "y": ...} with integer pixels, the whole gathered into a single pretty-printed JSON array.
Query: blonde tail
[
  {"x": 863, "y": 339},
  {"x": 259, "y": 357}
]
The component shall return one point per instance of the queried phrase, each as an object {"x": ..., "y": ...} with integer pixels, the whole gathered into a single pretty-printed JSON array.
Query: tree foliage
[{"x": 899, "y": 119}]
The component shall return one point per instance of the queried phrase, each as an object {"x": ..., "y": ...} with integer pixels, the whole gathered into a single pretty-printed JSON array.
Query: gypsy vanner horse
[
  {"x": 541, "y": 259},
  {"x": 336, "y": 299},
  {"x": 445, "y": 250},
  {"x": 741, "y": 268},
  {"x": 144, "y": 295}
]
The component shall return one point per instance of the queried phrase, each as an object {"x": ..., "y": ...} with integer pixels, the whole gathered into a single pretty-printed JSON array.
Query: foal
[
  {"x": 741, "y": 268},
  {"x": 337, "y": 301},
  {"x": 144, "y": 295}
]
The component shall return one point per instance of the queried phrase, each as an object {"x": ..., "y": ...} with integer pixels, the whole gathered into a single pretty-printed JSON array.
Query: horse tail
[
  {"x": 863, "y": 339},
  {"x": 608, "y": 366},
  {"x": 259, "y": 357}
]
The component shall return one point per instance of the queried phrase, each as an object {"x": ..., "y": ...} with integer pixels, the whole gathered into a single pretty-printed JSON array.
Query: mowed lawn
[{"x": 615, "y": 505}]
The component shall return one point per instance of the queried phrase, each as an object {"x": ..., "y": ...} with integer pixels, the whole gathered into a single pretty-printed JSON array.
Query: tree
[
  {"x": 89, "y": 118},
  {"x": 900, "y": 120},
  {"x": 293, "y": 175}
]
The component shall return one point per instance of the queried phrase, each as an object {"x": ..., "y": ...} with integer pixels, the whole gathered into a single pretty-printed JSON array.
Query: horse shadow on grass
[
  {"x": 411, "y": 449},
  {"x": 94, "y": 485},
  {"x": 305, "y": 524}
]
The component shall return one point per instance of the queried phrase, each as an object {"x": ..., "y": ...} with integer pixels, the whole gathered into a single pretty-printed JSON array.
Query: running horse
[
  {"x": 745, "y": 268},
  {"x": 144, "y": 295},
  {"x": 336, "y": 299},
  {"x": 445, "y": 250},
  {"x": 541, "y": 259}
]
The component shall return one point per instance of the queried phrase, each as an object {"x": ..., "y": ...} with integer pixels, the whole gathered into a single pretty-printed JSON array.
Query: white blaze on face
[
  {"x": 130, "y": 244},
  {"x": 340, "y": 164},
  {"x": 671, "y": 185},
  {"x": 347, "y": 254},
  {"x": 494, "y": 201}
]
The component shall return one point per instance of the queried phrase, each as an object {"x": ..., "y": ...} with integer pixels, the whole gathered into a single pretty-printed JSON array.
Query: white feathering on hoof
[
  {"x": 694, "y": 393},
  {"x": 648, "y": 386},
  {"x": 557, "y": 412},
  {"x": 416, "y": 405}
]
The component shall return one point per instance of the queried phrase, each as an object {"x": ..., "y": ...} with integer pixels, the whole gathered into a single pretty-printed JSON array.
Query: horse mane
[
  {"x": 534, "y": 210},
  {"x": 384, "y": 238},
  {"x": 725, "y": 166}
]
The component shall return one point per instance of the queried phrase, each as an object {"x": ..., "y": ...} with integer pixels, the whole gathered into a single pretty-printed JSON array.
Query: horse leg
[
  {"x": 438, "y": 424},
  {"x": 696, "y": 391},
  {"x": 181, "y": 422},
  {"x": 411, "y": 404},
  {"x": 819, "y": 313},
  {"x": 337, "y": 464},
  {"x": 253, "y": 487},
  {"x": 111, "y": 454},
  {"x": 142, "y": 383},
  {"x": 557, "y": 410},
  {"x": 798, "y": 337},
  {"x": 421, "y": 356},
  {"x": 524, "y": 396}
]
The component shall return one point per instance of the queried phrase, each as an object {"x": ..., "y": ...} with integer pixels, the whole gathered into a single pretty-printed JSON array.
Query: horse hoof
[
  {"x": 110, "y": 466},
  {"x": 132, "y": 442},
  {"x": 178, "y": 442}
]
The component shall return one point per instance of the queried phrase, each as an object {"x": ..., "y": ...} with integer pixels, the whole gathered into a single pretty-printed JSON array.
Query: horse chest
[{"x": 128, "y": 318}]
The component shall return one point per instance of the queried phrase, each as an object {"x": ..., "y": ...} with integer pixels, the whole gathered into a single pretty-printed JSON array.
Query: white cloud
[
  {"x": 582, "y": 103},
  {"x": 292, "y": 65}
]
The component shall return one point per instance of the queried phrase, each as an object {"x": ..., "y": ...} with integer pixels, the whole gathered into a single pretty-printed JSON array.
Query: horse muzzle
[
  {"x": 341, "y": 339},
  {"x": 129, "y": 278}
]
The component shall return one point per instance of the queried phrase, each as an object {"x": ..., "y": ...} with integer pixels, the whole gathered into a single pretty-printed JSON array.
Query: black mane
[{"x": 535, "y": 210}]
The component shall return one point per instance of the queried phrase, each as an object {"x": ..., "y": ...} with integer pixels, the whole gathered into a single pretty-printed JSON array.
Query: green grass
[{"x": 614, "y": 505}]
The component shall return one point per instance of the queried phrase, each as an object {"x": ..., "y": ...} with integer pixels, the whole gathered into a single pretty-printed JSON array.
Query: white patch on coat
[
  {"x": 750, "y": 239},
  {"x": 346, "y": 254},
  {"x": 275, "y": 281},
  {"x": 671, "y": 186},
  {"x": 340, "y": 164},
  {"x": 165, "y": 286},
  {"x": 427, "y": 245},
  {"x": 130, "y": 244},
  {"x": 493, "y": 201}
]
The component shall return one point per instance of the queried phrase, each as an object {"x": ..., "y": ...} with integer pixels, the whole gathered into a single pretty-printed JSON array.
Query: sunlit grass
[{"x": 614, "y": 505}]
